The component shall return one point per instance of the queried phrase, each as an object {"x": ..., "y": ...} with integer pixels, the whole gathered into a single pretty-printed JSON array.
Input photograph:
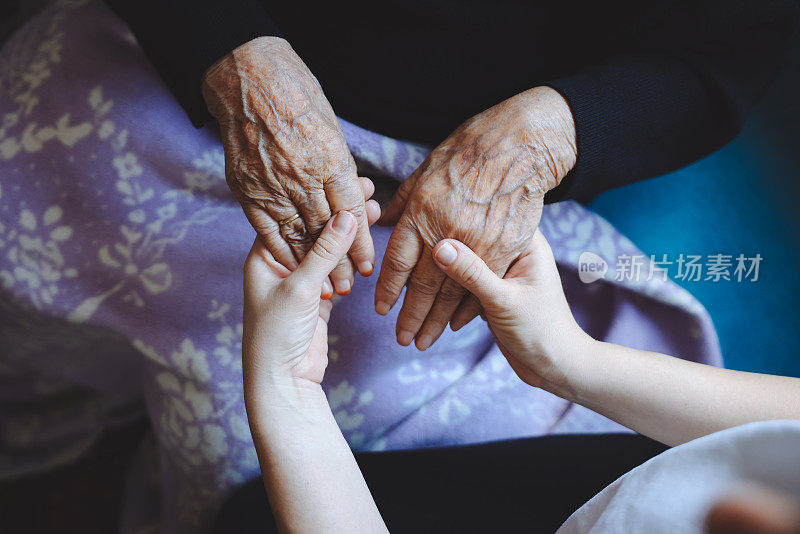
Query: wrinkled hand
[
  {"x": 285, "y": 321},
  {"x": 484, "y": 185},
  {"x": 285, "y": 153},
  {"x": 526, "y": 310}
]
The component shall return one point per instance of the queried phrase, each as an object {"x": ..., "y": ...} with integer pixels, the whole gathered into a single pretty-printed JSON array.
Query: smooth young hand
[
  {"x": 285, "y": 320},
  {"x": 526, "y": 310},
  {"x": 663, "y": 397},
  {"x": 312, "y": 480}
]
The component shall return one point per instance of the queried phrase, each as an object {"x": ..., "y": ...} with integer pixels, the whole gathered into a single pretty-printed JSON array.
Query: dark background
[{"x": 742, "y": 199}]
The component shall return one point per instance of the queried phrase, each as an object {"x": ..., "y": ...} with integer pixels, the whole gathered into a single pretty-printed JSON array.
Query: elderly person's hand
[
  {"x": 286, "y": 159},
  {"x": 484, "y": 185}
]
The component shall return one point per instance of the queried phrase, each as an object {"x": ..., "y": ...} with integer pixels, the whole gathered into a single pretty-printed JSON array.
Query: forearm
[
  {"x": 311, "y": 477},
  {"x": 672, "y": 400}
]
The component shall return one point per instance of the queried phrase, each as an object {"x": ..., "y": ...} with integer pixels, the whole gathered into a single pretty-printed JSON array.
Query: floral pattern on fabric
[{"x": 116, "y": 224}]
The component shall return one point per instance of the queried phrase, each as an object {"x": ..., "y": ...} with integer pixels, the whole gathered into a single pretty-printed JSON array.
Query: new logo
[{"x": 591, "y": 267}]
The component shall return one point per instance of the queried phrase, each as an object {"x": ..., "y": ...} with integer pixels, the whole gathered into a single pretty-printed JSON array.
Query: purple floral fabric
[{"x": 121, "y": 255}]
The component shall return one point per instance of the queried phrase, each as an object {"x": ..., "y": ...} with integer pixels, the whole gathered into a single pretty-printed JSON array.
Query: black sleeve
[
  {"x": 680, "y": 88},
  {"x": 182, "y": 38}
]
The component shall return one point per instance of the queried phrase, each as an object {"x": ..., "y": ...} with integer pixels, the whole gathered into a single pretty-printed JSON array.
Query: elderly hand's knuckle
[
  {"x": 343, "y": 177},
  {"x": 413, "y": 312},
  {"x": 424, "y": 284},
  {"x": 390, "y": 286},
  {"x": 450, "y": 293},
  {"x": 358, "y": 210},
  {"x": 314, "y": 224},
  {"x": 299, "y": 241},
  {"x": 398, "y": 264},
  {"x": 263, "y": 228}
]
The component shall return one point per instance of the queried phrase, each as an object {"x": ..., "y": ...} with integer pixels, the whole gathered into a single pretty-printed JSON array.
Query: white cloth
[{"x": 672, "y": 492}]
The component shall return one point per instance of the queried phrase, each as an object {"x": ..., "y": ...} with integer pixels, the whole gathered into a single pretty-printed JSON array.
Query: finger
[
  {"x": 327, "y": 289},
  {"x": 342, "y": 277},
  {"x": 268, "y": 230},
  {"x": 446, "y": 303},
  {"x": 297, "y": 238},
  {"x": 421, "y": 291},
  {"x": 329, "y": 248},
  {"x": 261, "y": 270},
  {"x": 469, "y": 308},
  {"x": 342, "y": 195},
  {"x": 367, "y": 187},
  {"x": 461, "y": 264},
  {"x": 372, "y": 207},
  {"x": 310, "y": 203},
  {"x": 373, "y": 211},
  {"x": 291, "y": 227},
  {"x": 398, "y": 203},
  {"x": 325, "y": 308},
  {"x": 270, "y": 233},
  {"x": 402, "y": 252}
]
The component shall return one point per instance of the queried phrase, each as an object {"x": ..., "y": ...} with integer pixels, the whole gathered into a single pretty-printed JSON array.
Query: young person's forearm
[
  {"x": 311, "y": 476},
  {"x": 673, "y": 400}
]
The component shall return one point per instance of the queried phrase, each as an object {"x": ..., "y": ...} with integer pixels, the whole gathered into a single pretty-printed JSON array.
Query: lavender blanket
[{"x": 121, "y": 255}]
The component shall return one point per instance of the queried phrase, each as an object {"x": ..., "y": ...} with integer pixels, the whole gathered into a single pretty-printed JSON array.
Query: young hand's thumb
[
  {"x": 465, "y": 267},
  {"x": 330, "y": 247}
]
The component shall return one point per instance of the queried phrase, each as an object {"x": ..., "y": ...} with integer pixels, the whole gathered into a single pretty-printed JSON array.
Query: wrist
[
  {"x": 584, "y": 368},
  {"x": 257, "y": 46},
  {"x": 220, "y": 80},
  {"x": 273, "y": 392},
  {"x": 571, "y": 356},
  {"x": 552, "y": 133}
]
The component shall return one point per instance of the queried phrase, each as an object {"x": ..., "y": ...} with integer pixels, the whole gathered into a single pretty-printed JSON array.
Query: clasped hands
[{"x": 287, "y": 163}]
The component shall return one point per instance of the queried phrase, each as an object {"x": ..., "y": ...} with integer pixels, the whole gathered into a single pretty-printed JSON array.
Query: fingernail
[
  {"x": 424, "y": 341},
  {"x": 342, "y": 286},
  {"x": 446, "y": 254},
  {"x": 456, "y": 326},
  {"x": 382, "y": 308},
  {"x": 327, "y": 290},
  {"x": 344, "y": 222},
  {"x": 405, "y": 338},
  {"x": 365, "y": 268}
]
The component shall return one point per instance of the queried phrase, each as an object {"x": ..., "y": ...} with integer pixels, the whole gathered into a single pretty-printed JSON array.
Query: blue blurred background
[{"x": 740, "y": 200}]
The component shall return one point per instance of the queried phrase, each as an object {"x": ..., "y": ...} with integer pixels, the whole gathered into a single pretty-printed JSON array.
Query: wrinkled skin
[
  {"x": 285, "y": 154},
  {"x": 484, "y": 186}
]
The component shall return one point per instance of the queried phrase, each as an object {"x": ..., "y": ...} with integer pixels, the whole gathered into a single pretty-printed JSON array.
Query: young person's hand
[
  {"x": 526, "y": 310},
  {"x": 663, "y": 397},
  {"x": 285, "y": 320},
  {"x": 312, "y": 480}
]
